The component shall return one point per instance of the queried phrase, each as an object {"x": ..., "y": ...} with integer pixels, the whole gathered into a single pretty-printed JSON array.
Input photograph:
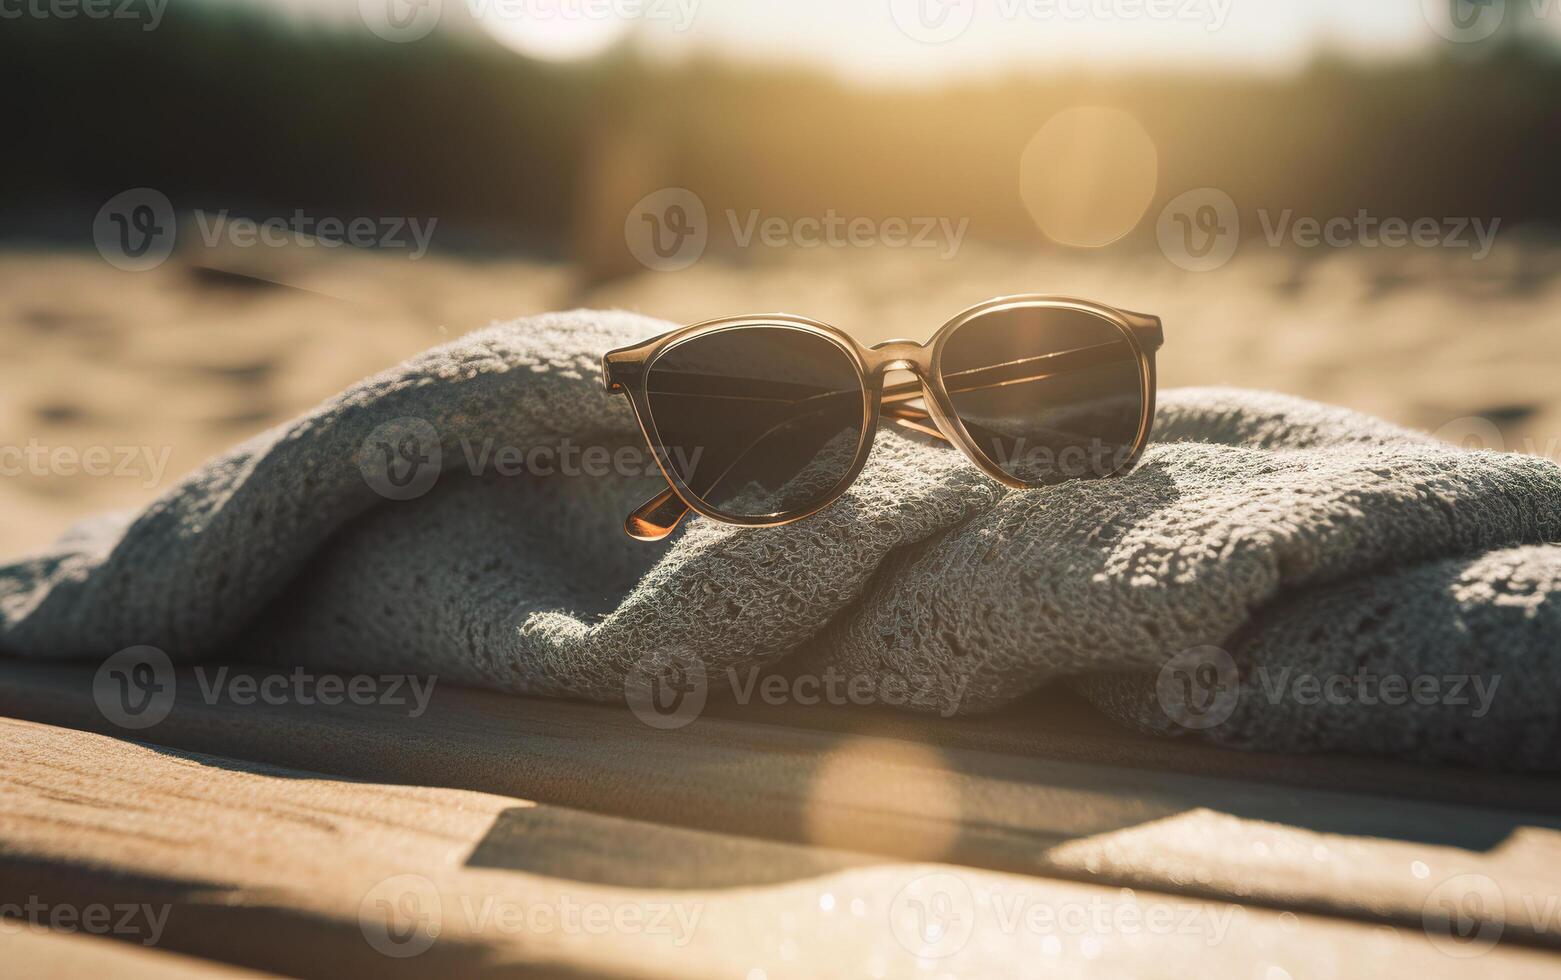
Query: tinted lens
[
  {"x": 1047, "y": 394},
  {"x": 757, "y": 420}
]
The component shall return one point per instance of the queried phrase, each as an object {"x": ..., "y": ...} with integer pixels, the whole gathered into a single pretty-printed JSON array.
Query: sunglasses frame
[{"x": 627, "y": 370}]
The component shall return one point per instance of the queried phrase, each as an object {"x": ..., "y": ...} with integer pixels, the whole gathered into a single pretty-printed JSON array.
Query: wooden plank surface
[
  {"x": 42, "y": 954},
  {"x": 1055, "y": 724},
  {"x": 303, "y": 874},
  {"x": 1350, "y": 854}
]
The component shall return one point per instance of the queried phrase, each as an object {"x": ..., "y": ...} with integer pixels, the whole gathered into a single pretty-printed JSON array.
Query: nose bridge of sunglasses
[
  {"x": 899, "y": 355},
  {"x": 903, "y": 364}
]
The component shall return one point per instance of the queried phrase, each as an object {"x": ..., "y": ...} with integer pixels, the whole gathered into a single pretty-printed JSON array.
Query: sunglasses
[{"x": 763, "y": 420}]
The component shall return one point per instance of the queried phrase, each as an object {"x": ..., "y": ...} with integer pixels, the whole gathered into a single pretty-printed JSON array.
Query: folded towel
[{"x": 1274, "y": 574}]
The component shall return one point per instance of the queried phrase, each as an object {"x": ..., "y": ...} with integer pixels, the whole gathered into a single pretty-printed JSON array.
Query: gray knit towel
[{"x": 1275, "y": 574}]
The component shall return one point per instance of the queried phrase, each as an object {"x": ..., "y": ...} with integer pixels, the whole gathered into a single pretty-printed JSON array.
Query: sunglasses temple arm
[
  {"x": 657, "y": 517},
  {"x": 896, "y": 404}
]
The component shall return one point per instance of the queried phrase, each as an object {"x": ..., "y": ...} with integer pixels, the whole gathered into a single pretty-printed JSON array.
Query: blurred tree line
[{"x": 231, "y": 108}]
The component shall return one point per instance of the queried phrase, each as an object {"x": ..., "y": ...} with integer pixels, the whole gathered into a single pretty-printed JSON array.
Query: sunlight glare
[
  {"x": 551, "y": 30},
  {"x": 1088, "y": 175}
]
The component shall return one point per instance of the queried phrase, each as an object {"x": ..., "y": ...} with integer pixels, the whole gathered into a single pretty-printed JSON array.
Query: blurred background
[{"x": 216, "y": 213}]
